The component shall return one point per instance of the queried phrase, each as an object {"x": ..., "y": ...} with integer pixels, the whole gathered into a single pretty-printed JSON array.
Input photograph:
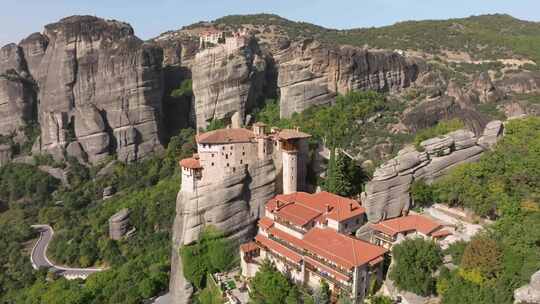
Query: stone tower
[
  {"x": 290, "y": 170},
  {"x": 191, "y": 173}
]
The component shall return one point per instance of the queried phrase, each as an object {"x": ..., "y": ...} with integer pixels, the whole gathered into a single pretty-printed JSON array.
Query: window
[
  {"x": 241, "y": 162},
  {"x": 232, "y": 147},
  {"x": 212, "y": 154},
  {"x": 212, "y": 164},
  {"x": 227, "y": 164},
  {"x": 233, "y": 169},
  {"x": 223, "y": 148},
  {"x": 226, "y": 156},
  {"x": 243, "y": 153}
]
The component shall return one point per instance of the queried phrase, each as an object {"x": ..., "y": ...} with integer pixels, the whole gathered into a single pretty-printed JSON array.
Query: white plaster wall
[{"x": 289, "y": 230}]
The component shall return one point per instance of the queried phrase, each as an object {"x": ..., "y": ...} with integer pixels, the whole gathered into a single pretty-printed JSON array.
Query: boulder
[
  {"x": 463, "y": 139},
  {"x": 119, "y": 224},
  {"x": 491, "y": 133},
  {"x": 438, "y": 146},
  {"x": 529, "y": 293}
]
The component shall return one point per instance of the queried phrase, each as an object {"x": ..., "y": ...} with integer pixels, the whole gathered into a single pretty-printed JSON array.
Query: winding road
[{"x": 39, "y": 257}]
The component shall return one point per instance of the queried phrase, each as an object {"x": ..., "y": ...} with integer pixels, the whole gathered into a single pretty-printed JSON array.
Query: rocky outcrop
[
  {"x": 312, "y": 74},
  {"x": 232, "y": 205},
  {"x": 529, "y": 293},
  {"x": 17, "y": 94},
  {"x": 227, "y": 78},
  {"x": 96, "y": 80},
  {"x": 119, "y": 224},
  {"x": 387, "y": 194}
]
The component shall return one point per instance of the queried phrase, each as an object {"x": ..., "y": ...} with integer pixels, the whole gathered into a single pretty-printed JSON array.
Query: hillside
[{"x": 485, "y": 37}]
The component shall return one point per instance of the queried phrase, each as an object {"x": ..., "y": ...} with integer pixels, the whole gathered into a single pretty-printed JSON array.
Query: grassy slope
[{"x": 484, "y": 37}]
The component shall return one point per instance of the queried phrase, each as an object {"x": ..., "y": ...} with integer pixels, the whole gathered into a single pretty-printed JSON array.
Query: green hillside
[{"x": 483, "y": 37}]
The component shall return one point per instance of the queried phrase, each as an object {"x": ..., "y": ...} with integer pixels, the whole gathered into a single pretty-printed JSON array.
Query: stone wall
[{"x": 387, "y": 194}]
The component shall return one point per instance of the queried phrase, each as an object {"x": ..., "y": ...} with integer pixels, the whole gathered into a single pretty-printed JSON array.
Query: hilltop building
[
  {"x": 308, "y": 237},
  {"x": 224, "y": 152},
  {"x": 213, "y": 36}
]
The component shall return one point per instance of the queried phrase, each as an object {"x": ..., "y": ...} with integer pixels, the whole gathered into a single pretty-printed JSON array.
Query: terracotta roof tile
[
  {"x": 287, "y": 134},
  {"x": 248, "y": 247},
  {"x": 225, "y": 136},
  {"x": 441, "y": 233},
  {"x": 191, "y": 163},
  {"x": 301, "y": 208},
  {"x": 412, "y": 222},
  {"x": 343, "y": 250},
  {"x": 278, "y": 248},
  {"x": 266, "y": 223},
  {"x": 282, "y": 235}
]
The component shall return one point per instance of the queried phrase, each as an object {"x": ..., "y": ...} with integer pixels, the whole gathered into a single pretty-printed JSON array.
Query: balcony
[
  {"x": 384, "y": 237},
  {"x": 288, "y": 225},
  {"x": 329, "y": 278},
  {"x": 324, "y": 262}
]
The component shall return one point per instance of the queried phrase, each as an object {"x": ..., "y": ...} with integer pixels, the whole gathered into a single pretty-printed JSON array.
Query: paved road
[{"x": 39, "y": 257}]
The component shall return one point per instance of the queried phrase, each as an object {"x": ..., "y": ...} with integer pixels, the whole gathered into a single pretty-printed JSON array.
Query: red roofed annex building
[
  {"x": 308, "y": 237},
  {"x": 389, "y": 232},
  {"x": 224, "y": 152}
]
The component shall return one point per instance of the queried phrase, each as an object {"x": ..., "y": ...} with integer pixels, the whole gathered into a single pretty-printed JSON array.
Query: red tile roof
[
  {"x": 226, "y": 136},
  {"x": 327, "y": 269},
  {"x": 376, "y": 261},
  {"x": 301, "y": 208},
  {"x": 343, "y": 250},
  {"x": 282, "y": 235},
  {"x": 441, "y": 233},
  {"x": 247, "y": 247},
  {"x": 412, "y": 222},
  {"x": 287, "y": 134},
  {"x": 278, "y": 248},
  {"x": 191, "y": 163},
  {"x": 265, "y": 223}
]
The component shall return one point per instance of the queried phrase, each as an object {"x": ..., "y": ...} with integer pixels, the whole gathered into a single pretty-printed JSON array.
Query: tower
[
  {"x": 259, "y": 129},
  {"x": 290, "y": 170},
  {"x": 191, "y": 173}
]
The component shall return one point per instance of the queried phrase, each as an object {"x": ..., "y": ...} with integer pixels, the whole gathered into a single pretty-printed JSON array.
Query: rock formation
[
  {"x": 5, "y": 154},
  {"x": 99, "y": 85},
  {"x": 312, "y": 74},
  {"x": 387, "y": 194},
  {"x": 227, "y": 78},
  {"x": 529, "y": 293},
  {"x": 119, "y": 224},
  {"x": 232, "y": 205},
  {"x": 17, "y": 94}
]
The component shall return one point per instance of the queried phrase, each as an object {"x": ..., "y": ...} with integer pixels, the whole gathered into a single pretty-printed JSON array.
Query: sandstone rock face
[
  {"x": 233, "y": 205},
  {"x": 17, "y": 95},
  {"x": 312, "y": 74},
  {"x": 387, "y": 194},
  {"x": 529, "y": 293},
  {"x": 95, "y": 76},
  {"x": 227, "y": 79}
]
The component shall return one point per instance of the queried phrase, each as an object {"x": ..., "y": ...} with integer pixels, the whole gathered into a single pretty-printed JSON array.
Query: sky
[{"x": 149, "y": 18}]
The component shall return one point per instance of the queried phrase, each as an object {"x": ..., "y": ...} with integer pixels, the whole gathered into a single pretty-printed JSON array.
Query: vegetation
[
  {"x": 212, "y": 253},
  {"x": 138, "y": 266},
  {"x": 269, "y": 286},
  {"x": 443, "y": 127},
  {"x": 416, "y": 261},
  {"x": 184, "y": 90},
  {"x": 504, "y": 184},
  {"x": 482, "y": 37}
]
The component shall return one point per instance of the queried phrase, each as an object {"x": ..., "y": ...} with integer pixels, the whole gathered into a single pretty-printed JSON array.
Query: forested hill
[{"x": 481, "y": 37}]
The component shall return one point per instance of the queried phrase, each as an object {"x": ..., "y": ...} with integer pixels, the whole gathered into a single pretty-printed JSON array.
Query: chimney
[
  {"x": 328, "y": 208},
  {"x": 351, "y": 206}
]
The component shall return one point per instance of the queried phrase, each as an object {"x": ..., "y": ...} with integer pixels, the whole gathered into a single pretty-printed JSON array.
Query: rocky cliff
[
  {"x": 387, "y": 194},
  {"x": 310, "y": 73},
  {"x": 101, "y": 86},
  {"x": 227, "y": 78},
  {"x": 99, "y": 89},
  {"x": 232, "y": 205},
  {"x": 17, "y": 92}
]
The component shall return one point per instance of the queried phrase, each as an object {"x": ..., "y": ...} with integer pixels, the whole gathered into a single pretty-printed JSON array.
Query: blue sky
[{"x": 19, "y": 18}]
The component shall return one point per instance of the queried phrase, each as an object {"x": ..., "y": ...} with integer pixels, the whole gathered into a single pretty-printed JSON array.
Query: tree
[
  {"x": 415, "y": 262},
  {"x": 322, "y": 294},
  {"x": 422, "y": 193},
  {"x": 381, "y": 300},
  {"x": 337, "y": 180},
  {"x": 484, "y": 255},
  {"x": 269, "y": 286}
]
